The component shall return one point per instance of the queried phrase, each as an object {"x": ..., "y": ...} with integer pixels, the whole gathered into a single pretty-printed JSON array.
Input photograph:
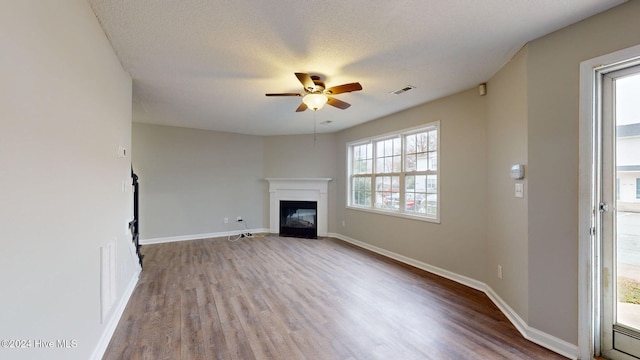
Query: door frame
[{"x": 589, "y": 304}]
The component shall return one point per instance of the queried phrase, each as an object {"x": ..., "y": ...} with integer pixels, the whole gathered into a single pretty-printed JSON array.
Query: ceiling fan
[{"x": 316, "y": 94}]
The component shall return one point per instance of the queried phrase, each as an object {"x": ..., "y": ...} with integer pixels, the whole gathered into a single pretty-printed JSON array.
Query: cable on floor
[{"x": 245, "y": 234}]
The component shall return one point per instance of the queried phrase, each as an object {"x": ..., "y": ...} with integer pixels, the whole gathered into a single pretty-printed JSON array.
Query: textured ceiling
[{"x": 208, "y": 63}]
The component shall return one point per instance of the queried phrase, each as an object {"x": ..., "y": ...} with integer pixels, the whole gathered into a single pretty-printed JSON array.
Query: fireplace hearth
[{"x": 299, "y": 219}]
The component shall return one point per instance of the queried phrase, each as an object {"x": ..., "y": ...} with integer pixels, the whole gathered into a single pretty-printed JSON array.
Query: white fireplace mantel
[{"x": 299, "y": 189}]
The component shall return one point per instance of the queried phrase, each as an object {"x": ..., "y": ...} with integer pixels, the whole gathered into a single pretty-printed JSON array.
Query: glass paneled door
[{"x": 620, "y": 213}]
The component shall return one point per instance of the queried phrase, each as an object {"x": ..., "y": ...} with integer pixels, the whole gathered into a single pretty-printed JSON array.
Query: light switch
[{"x": 519, "y": 190}]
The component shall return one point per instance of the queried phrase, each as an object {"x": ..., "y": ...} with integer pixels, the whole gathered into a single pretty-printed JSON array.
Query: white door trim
[{"x": 588, "y": 294}]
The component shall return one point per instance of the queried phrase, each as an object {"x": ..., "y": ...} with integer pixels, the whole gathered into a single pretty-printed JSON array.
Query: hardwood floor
[{"x": 288, "y": 298}]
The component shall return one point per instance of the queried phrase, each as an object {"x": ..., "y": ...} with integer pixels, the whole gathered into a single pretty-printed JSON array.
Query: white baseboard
[
  {"x": 415, "y": 263},
  {"x": 101, "y": 347},
  {"x": 199, "y": 236},
  {"x": 534, "y": 335}
]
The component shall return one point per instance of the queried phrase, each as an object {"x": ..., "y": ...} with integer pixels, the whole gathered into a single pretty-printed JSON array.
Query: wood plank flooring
[{"x": 286, "y": 298}]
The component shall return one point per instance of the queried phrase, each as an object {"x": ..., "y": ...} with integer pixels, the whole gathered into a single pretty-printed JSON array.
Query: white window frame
[{"x": 400, "y": 212}]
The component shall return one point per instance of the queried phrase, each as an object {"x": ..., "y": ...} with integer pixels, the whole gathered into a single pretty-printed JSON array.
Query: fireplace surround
[{"x": 299, "y": 189}]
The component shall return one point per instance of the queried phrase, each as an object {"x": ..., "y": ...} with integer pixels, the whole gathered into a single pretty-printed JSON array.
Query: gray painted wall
[
  {"x": 190, "y": 180},
  {"x": 506, "y": 215},
  {"x": 303, "y": 156},
  {"x": 552, "y": 136},
  {"x": 65, "y": 108},
  {"x": 458, "y": 243}
]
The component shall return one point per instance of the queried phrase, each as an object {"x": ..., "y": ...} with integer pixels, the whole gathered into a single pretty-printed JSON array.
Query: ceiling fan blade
[
  {"x": 302, "y": 107},
  {"x": 284, "y": 94},
  {"x": 344, "y": 88},
  {"x": 338, "y": 103},
  {"x": 306, "y": 81}
]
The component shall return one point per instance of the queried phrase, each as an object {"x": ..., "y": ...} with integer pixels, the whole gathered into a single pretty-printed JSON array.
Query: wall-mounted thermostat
[{"x": 517, "y": 171}]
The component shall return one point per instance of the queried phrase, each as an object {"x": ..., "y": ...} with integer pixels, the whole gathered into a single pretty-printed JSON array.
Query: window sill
[{"x": 396, "y": 214}]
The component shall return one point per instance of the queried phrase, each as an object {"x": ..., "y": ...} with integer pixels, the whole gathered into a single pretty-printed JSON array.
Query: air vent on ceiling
[{"x": 403, "y": 90}]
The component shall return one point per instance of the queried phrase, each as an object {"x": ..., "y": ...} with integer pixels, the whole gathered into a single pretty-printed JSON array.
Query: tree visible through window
[{"x": 397, "y": 173}]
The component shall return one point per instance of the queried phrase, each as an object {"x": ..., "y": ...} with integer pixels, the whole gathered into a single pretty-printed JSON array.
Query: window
[
  {"x": 637, "y": 188},
  {"x": 396, "y": 173}
]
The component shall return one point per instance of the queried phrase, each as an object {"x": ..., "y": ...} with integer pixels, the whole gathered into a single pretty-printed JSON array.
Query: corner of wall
[{"x": 507, "y": 240}]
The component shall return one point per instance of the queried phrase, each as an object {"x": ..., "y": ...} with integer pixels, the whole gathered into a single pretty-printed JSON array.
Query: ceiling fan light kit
[
  {"x": 315, "y": 101},
  {"x": 316, "y": 95}
]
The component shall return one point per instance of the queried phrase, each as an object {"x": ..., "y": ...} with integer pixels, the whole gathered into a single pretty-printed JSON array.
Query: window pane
[
  {"x": 411, "y": 161},
  {"x": 380, "y": 165},
  {"x": 421, "y": 151},
  {"x": 397, "y": 164},
  {"x": 431, "y": 199},
  {"x": 362, "y": 159},
  {"x": 433, "y": 140},
  {"x": 432, "y": 205},
  {"x": 415, "y": 193},
  {"x": 380, "y": 148},
  {"x": 432, "y": 184},
  {"x": 388, "y": 156},
  {"x": 422, "y": 164},
  {"x": 421, "y": 194},
  {"x": 387, "y": 192},
  {"x": 386, "y": 167},
  {"x": 433, "y": 161},
  {"x": 361, "y": 191}
]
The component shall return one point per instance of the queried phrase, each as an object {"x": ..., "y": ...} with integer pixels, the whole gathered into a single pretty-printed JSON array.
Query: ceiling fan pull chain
[{"x": 314, "y": 128}]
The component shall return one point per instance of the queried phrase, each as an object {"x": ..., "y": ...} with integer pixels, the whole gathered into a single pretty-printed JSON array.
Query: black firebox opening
[{"x": 298, "y": 219}]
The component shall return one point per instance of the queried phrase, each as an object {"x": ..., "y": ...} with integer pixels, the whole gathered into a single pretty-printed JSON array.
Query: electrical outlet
[
  {"x": 226, "y": 220},
  {"x": 499, "y": 271},
  {"x": 239, "y": 218}
]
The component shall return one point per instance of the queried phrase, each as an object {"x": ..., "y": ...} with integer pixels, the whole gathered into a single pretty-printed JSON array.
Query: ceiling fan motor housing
[{"x": 319, "y": 85}]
